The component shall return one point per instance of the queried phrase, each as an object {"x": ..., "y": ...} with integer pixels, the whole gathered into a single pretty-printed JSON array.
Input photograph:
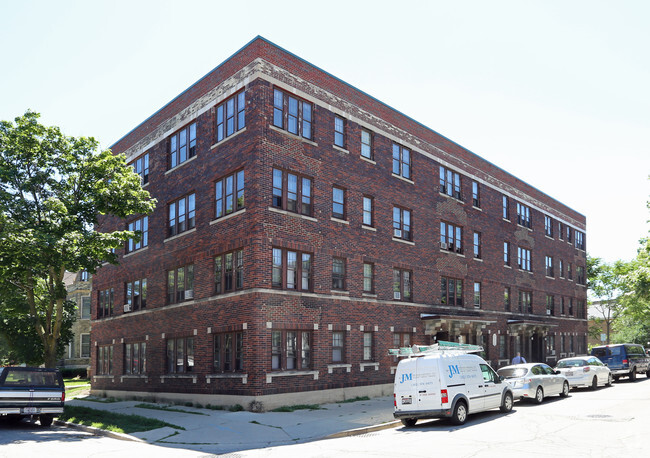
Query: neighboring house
[
  {"x": 77, "y": 353},
  {"x": 303, "y": 228}
]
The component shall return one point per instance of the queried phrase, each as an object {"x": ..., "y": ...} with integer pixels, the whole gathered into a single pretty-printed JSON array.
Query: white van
[{"x": 447, "y": 383}]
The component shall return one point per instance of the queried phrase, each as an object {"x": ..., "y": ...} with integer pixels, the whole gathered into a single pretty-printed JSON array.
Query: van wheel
[
  {"x": 594, "y": 383},
  {"x": 647, "y": 373},
  {"x": 46, "y": 419},
  {"x": 616, "y": 377},
  {"x": 409, "y": 422},
  {"x": 459, "y": 415},
  {"x": 507, "y": 403},
  {"x": 609, "y": 380},
  {"x": 633, "y": 375},
  {"x": 539, "y": 395},
  {"x": 565, "y": 390}
]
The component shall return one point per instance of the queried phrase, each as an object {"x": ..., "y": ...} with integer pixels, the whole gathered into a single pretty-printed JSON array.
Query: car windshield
[
  {"x": 512, "y": 372},
  {"x": 571, "y": 363}
]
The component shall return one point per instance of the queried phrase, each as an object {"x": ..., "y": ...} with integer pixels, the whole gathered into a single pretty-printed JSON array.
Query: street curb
[
  {"x": 364, "y": 430},
  {"x": 98, "y": 431}
]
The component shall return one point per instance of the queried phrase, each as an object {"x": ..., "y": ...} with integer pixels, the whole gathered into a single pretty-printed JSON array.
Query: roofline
[{"x": 259, "y": 37}]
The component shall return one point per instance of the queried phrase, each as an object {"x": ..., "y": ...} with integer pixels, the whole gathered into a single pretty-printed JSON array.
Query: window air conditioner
[
  {"x": 397, "y": 295},
  {"x": 444, "y": 245},
  {"x": 189, "y": 294},
  {"x": 127, "y": 308}
]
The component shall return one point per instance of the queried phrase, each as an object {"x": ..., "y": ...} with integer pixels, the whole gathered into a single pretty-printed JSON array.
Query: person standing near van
[{"x": 518, "y": 359}]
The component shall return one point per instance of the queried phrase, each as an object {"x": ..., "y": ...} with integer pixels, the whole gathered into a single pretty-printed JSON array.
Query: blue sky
[{"x": 555, "y": 92}]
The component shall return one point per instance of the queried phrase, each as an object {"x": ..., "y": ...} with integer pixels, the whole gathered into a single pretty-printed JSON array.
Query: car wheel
[
  {"x": 45, "y": 419},
  {"x": 409, "y": 422},
  {"x": 459, "y": 415},
  {"x": 565, "y": 390},
  {"x": 539, "y": 395},
  {"x": 609, "y": 379},
  {"x": 616, "y": 377},
  {"x": 507, "y": 403},
  {"x": 633, "y": 375},
  {"x": 594, "y": 383}
]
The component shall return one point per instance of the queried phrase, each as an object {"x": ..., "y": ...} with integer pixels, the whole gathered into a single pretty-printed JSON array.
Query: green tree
[
  {"x": 52, "y": 189},
  {"x": 607, "y": 285}
]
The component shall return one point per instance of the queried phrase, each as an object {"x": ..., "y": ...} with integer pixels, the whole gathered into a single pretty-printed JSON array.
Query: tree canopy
[{"x": 52, "y": 189}]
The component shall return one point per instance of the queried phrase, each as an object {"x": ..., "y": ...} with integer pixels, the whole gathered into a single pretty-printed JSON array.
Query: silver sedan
[
  {"x": 585, "y": 371},
  {"x": 534, "y": 381}
]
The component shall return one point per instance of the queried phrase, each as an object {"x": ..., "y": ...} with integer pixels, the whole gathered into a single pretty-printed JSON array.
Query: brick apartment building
[{"x": 303, "y": 228}]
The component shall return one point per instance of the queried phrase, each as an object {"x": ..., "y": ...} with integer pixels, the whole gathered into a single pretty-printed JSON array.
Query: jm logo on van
[
  {"x": 406, "y": 377},
  {"x": 453, "y": 370}
]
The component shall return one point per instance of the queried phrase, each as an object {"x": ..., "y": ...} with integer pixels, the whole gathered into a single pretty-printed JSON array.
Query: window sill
[
  {"x": 402, "y": 178},
  {"x": 368, "y": 160},
  {"x": 234, "y": 375},
  {"x": 342, "y": 221},
  {"x": 134, "y": 377},
  {"x": 451, "y": 197},
  {"x": 549, "y": 237},
  {"x": 362, "y": 366},
  {"x": 174, "y": 237},
  {"x": 228, "y": 216},
  {"x": 369, "y": 228},
  {"x": 340, "y": 149},
  {"x": 331, "y": 367},
  {"x": 270, "y": 375},
  {"x": 507, "y": 266},
  {"x": 292, "y": 214},
  {"x": 290, "y": 135},
  {"x": 550, "y": 278},
  {"x": 179, "y": 377},
  {"x": 338, "y": 291},
  {"x": 478, "y": 259},
  {"x": 371, "y": 295},
  {"x": 131, "y": 253},
  {"x": 230, "y": 137},
  {"x": 462, "y": 255},
  {"x": 103, "y": 377},
  {"x": 525, "y": 227},
  {"x": 181, "y": 164},
  {"x": 403, "y": 241},
  {"x": 506, "y": 220},
  {"x": 477, "y": 208}
]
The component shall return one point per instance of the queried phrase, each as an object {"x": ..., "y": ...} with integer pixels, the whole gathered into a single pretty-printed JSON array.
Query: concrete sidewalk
[{"x": 222, "y": 431}]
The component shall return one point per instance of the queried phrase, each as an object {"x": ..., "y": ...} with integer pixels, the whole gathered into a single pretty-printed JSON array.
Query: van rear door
[
  {"x": 405, "y": 391},
  {"x": 428, "y": 384}
]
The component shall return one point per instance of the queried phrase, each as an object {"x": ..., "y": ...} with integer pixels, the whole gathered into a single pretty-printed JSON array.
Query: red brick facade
[{"x": 256, "y": 308}]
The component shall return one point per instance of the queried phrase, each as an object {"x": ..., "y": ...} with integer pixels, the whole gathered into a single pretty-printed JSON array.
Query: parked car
[
  {"x": 585, "y": 371},
  {"x": 534, "y": 381},
  {"x": 624, "y": 360}
]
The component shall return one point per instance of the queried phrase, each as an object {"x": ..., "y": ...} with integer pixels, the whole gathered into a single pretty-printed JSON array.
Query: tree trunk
[{"x": 49, "y": 352}]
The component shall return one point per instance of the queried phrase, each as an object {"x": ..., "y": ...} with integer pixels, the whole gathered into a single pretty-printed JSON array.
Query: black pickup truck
[{"x": 31, "y": 392}]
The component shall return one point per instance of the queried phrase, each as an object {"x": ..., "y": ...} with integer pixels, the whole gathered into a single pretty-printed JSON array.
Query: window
[
  {"x": 141, "y": 167},
  {"x": 338, "y": 346},
  {"x": 292, "y": 192},
  {"x": 401, "y": 161},
  {"x": 85, "y": 308},
  {"x": 503, "y": 349},
  {"x": 229, "y": 194},
  {"x": 182, "y": 215},
  {"x": 291, "y": 270},
  {"x": 562, "y": 344},
  {"x": 523, "y": 215},
  {"x": 180, "y": 284},
  {"x": 135, "y": 358},
  {"x": 560, "y": 230},
  {"x": 228, "y": 352},
  {"x": 182, "y": 145},
  {"x": 476, "y": 195},
  {"x": 290, "y": 350},
  {"x": 401, "y": 339},
  {"x": 229, "y": 271},
  {"x": 506, "y": 299},
  {"x": 568, "y": 234},
  {"x": 580, "y": 240},
  {"x": 338, "y": 273},
  {"x": 338, "y": 203},
  {"x": 368, "y": 204},
  {"x": 582, "y": 310},
  {"x": 368, "y": 277},
  {"x": 141, "y": 227},
  {"x": 477, "y": 294},
  {"x": 402, "y": 223},
  {"x": 550, "y": 305},
  {"x": 450, "y": 237},
  {"x": 180, "y": 355},
  {"x": 548, "y": 226},
  {"x": 569, "y": 273},
  {"x": 84, "y": 275},
  {"x": 368, "y": 354},
  {"x": 477, "y": 245},
  {"x": 292, "y": 114},
  {"x": 366, "y": 144},
  {"x": 402, "y": 285},
  {"x": 525, "y": 302},
  {"x": 104, "y": 360},
  {"x": 339, "y": 131},
  {"x": 580, "y": 275},
  {"x": 506, "y": 253},
  {"x": 550, "y": 345},
  {"x": 561, "y": 269},
  {"x": 85, "y": 346},
  {"x": 230, "y": 116},
  {"x": 136, "y": 294},
  {"x": 451, "y": 291},
  {"x": 549, "y": 267},
  {"x": 450, "y": 183},
  {"x": 506, "y": 208},
  {"x": 105, "y": 302},
  {"x": 562, "y": 310},
  {"x": 523, "y": 259}
]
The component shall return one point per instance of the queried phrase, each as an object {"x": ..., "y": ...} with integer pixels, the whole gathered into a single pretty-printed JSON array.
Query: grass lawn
[{"x": 111, "y": 421}]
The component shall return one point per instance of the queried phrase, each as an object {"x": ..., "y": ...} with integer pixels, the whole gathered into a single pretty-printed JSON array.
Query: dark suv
[{"x": 624, "y": 360}]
